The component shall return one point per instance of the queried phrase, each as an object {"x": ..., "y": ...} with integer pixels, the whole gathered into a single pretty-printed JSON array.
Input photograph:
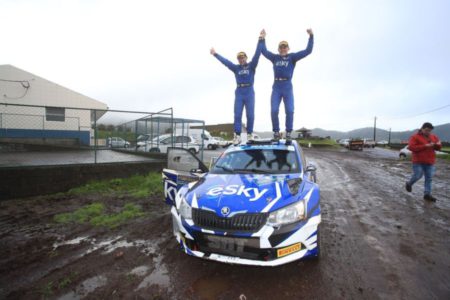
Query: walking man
[
  {"x": 244, "y": 94},
  {"x": 423, "y": 145},
  {"x": 283, "y": 69}
]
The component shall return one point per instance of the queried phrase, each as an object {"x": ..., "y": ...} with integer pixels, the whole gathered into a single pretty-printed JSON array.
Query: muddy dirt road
[{"x": 378, "y": 242}]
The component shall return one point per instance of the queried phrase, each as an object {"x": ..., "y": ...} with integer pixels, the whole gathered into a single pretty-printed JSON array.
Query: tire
[
  {"x": 155, "y": 150},
  {"x": 126, "y": 146},
  {"x": 402, "y": 156},
  {"x": 192, "y": 150},
  {"x": 210, "y": 147}
]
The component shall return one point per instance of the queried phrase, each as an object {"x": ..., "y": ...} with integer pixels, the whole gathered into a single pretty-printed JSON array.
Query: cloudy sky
[{"x": 389, "y": 59}]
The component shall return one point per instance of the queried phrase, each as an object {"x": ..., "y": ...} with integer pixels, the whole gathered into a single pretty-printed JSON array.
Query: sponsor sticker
[{"x": 289, "y": 250}]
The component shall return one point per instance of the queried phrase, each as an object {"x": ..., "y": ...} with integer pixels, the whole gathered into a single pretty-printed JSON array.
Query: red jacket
[{"x": 420, "y": 153}]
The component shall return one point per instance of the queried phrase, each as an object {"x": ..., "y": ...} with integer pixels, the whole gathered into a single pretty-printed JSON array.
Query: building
[
  {"x": 304, "y": 133},
  {"x": 36, "y": 110}
]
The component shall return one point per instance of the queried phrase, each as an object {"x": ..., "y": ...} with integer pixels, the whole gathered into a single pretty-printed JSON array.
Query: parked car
[
  {"x": 258, "y": 205},
  {"x": 405, "y": 152},
  {"x": 200, "y": 136},
  {"x": 222, "y": 142},
  {"x": 369, "y": 143},
  {"x": 117, "y": 142},
  {"x": 382, "y": 142},
  {"x": 180, "y": 141},
  {"x": 147, "y": 141},
  {"x": 344, "y": 142}
]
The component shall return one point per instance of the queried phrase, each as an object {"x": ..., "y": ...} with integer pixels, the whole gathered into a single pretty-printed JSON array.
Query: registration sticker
[{"x": 289, "y": 250}]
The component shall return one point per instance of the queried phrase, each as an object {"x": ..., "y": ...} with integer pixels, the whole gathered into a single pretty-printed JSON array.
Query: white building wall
[{"x": 34, "y": 90}]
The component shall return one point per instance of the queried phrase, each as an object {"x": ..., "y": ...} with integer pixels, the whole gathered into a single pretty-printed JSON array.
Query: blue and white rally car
[{"x": 258, "y": 205}]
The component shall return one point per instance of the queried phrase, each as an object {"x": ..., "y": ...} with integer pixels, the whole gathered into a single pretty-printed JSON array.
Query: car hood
[{"x": 242, "y": 193}]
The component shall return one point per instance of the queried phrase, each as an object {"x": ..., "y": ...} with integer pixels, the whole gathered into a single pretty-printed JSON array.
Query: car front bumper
[{"x": 267, "y": 247}]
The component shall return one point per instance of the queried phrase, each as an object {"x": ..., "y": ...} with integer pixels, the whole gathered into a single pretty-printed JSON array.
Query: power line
[{"x": 423, "y": 113}]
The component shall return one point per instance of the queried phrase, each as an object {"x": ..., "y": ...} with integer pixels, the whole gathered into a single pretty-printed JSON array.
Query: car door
[{"x": 182, "y": 167}]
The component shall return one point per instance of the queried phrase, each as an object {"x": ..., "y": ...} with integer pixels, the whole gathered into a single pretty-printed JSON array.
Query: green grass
[
  {"x": 444, "y": 156},
  {"x": 137, "y": 186},
  {"x": 95, "y": 215},
  {"x": 446, "y": 149},
  {"x": 318, "y": 142},
  {"x": 81, "y": 215}
]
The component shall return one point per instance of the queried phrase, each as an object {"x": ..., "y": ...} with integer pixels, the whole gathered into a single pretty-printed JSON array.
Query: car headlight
[
  {"x": 185, "y": 209},
  {"x": 287, "y": 215}
]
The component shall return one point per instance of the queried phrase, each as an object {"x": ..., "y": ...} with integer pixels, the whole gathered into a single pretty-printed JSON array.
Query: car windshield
[{"x": 273, "y": 161}]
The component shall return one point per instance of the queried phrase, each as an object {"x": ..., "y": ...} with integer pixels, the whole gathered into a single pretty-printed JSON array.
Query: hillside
[{"x": 442, "y": 131}]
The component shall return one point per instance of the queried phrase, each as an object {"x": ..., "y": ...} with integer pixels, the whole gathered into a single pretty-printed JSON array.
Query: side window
[{"x": 55, "y": 114}]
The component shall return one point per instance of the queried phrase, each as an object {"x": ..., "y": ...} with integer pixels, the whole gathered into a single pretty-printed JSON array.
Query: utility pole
[
  {"x": 389, "y": 141},
  {"x": 375, "y": 129}
]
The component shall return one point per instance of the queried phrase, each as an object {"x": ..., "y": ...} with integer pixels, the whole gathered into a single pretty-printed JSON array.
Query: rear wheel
[
  {"x": 193, "y": 151},
  {"x": 210, "y": 147},
  {"x": 402, "y": 156}
]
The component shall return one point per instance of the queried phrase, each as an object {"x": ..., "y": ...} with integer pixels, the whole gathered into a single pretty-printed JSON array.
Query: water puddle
[
  {"x": 147, "y": 247},
  {"x": 159, "y": 276},
  {"x": 74, "y": 241},
  {"x": 85, "y": 288},
  {"x": 140, "y": 271}
]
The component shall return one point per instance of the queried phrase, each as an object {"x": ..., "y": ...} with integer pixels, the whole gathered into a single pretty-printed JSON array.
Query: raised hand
[
  {"x": 212, "y": 51},
  {"x": 262, "y": 34},
  {"x": 309, "y": 31}
]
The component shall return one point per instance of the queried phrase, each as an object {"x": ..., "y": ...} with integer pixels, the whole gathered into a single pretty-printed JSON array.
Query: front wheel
[
  {"x": 210, "y": 147},
  {"x": 402, "y": 156},
  {"x": 193, "y": 151}
]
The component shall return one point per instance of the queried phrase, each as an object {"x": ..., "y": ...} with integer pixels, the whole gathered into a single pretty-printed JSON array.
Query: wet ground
[{"x": 378, "y": 242}]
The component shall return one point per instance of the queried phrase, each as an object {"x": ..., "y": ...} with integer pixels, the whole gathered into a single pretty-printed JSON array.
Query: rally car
[{"x": 258, "y": 205}]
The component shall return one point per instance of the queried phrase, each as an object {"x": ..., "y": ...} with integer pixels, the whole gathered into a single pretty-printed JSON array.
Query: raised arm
[
  {"x": 301, "y": 54},
  {"x": 267, "y": 54},
  {"x": 223, "y": 60},
  {"x": 255, "y": 58}
]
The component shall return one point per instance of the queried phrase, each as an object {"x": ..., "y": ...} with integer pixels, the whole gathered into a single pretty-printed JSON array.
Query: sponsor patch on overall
[{"x": 289, "y": 250}]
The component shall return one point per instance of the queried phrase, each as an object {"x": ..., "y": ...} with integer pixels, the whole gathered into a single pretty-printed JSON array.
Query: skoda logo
[{"x": 225, "y": 211}]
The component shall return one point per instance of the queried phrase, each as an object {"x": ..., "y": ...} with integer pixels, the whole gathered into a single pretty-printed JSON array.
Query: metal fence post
[{"x": 95, "y": 136}]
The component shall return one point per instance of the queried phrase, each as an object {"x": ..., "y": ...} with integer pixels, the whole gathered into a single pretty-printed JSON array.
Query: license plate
[{"x": 226, "y": 243}]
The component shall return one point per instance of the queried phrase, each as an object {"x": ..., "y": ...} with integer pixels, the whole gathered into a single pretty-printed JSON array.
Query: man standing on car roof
[
  {"x": 423, "y": 145},
  {"x": 244, "y": 94},
  {"x": 283, "y": 69}
]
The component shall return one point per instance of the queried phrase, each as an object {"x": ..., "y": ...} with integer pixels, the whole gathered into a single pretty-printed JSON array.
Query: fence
[{"x": 68, "y": 135}]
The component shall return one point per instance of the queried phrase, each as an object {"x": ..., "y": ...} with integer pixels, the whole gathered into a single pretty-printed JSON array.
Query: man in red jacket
[{"x": 423, "y": 145}]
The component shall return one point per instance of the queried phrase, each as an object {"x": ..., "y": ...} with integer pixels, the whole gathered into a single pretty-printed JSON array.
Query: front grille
[{"x": 240, "y": 222}]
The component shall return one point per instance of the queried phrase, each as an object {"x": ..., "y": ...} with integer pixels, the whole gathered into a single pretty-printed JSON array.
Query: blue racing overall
[
  {"x": 244, "y": 94},
  {"x": 283, "y": 69}
]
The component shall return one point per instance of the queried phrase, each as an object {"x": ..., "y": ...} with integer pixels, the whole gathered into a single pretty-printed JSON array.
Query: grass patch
[
  {"x": 137, "y": 186},
  {"x": 130, "y": 211},
  {"x": 444, "y": 156},
  {"x": 95, "y": 215},
  {"x": 81, "y": 215},
  {"x": 318, "y": 142}
]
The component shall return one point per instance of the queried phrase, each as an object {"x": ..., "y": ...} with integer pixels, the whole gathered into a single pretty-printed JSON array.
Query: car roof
[{"x": 265, "y": 144}]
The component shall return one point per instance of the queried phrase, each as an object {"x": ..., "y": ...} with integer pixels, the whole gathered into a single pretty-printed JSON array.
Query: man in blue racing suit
[
  {"x": 283, "y": 69},
  {"x": 244, "y": 94}
]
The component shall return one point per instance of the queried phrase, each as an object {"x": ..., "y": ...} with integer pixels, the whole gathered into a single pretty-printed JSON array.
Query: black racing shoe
[
  {"x": 276, "y": 136},
  {"x": 408, "y": 187},
  {"x": 288, "y": 135},
  {"x": 428, "y": 197}
]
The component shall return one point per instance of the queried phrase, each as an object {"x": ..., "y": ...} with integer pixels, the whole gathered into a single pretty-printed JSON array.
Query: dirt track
[{"x": 378, "y": 241}]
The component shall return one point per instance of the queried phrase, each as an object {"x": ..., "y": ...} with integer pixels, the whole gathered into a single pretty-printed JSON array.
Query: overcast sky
[{"x": 389, "y": 59}]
